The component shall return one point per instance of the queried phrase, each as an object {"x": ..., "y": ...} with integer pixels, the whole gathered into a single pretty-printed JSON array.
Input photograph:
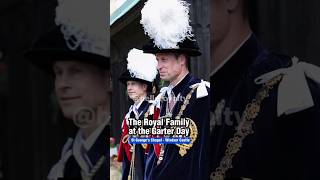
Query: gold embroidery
[
  {"x": 244, "y": 129},
  {"x": 193, "y": 136},
  {"x": 144, "y": 146}
]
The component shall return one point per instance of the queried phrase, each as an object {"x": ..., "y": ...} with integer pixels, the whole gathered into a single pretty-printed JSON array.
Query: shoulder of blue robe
[
  {"x": 102, "y": 148},
  {"x": 295, "y": 134},
  {"x": 202, "y": 88},
  {"x": 280, "y": 144},
  {"x": 99, "y": 148},
  {"x": 294, "y": 92}
]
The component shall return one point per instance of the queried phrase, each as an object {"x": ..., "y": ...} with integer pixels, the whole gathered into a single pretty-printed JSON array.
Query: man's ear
[
  {"x": 145, "y": 87},
  {"x": 183, "y": 59}
]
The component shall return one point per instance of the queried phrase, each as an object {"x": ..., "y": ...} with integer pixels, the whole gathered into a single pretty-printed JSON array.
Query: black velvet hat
[
  {"x": 126, "y": 76},
  {"x": 53, "y": 47},
  {"x": 188, "y": 47}
]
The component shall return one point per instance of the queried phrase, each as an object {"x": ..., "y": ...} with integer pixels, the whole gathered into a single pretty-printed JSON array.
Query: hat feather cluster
[
  {"x": 83, "y": 24},
  {"x": 142, "y": 65},
  {"x": 166, "y": 22}
]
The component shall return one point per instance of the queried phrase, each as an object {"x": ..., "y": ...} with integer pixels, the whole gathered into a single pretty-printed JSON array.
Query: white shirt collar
[
  {"x": 86, "y": 144},
  {"x": 78, "y": 153},
  {"x": 139, "y": 104},
  {"x": 82, "y": 159},
  {"x": 230, "y": 56},
  {"x": 170, "y": 87}
]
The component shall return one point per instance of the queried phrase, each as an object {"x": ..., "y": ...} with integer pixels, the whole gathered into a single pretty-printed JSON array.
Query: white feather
[
  {"x": 84, "y": 20},
  {"x": 166, "y": 22},
  {"x": 142, "y": 65}
]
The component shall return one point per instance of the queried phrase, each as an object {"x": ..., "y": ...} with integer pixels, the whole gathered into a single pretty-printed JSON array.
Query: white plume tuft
[
  {"x": 142, "y": 65},
  {"x": 84, "y": 24},
  {"x": 166, "y": 22}
]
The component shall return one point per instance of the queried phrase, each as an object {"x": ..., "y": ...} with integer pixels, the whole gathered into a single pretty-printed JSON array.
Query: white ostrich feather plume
[
  {"x": 83, "y": 23},
  {"x": 166, "y": 22},
  {"x": 142, "y": 65}
]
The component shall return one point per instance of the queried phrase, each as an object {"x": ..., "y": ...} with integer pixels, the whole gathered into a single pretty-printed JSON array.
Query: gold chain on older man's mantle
[{"x": 244, "y": 129}]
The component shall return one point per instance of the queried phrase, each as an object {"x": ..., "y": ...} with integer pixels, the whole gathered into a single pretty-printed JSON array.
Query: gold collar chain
[
  {"x": 94, "y": 170},
  {"x": 244, "y": 129},
  {"x": 183, "y": 147}
]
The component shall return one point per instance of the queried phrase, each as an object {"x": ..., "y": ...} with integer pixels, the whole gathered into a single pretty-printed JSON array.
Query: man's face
[
  {"x": 79, "y": 85},
  {"x": 136, "y": 90},
  {"x": 220, "y": 21},
  {"x": 169, "y": 66}
]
